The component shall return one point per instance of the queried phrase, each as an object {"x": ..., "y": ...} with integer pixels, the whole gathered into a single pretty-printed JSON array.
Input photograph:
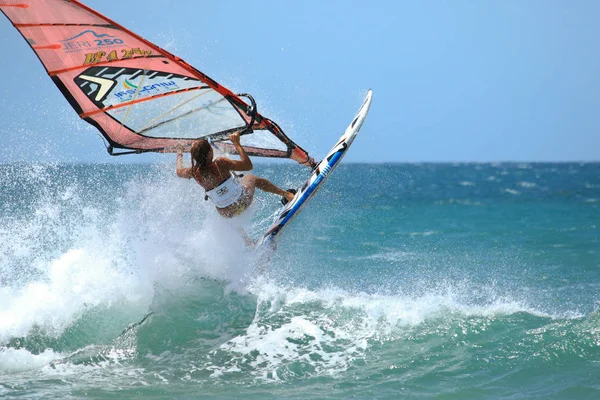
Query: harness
[{"x": 226, "y": 193}]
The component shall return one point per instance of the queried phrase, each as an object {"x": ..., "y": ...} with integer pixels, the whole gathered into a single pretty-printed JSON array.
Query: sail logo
[
  {"x": 148, "y": 90},
  {"x": 126, "y": 54},
  {"x": 128, "y": 85},
  {"x": 88, "y": 40}
]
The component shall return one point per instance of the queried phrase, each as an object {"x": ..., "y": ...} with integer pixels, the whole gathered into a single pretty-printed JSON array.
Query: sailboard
[
  {"x": 139, "y": 96},
  {"x": 318, "y": 176}
]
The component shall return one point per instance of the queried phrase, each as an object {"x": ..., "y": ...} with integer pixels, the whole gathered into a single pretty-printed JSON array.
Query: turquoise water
[{"x": 445, "y": 281}]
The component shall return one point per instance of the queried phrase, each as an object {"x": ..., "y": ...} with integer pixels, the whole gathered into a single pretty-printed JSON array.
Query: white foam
[
  {"x": 390, "y": 256},
  {"x": 20, "y": 360},
  {"x": 331, "y": 328},
  {"x": 527, "y": 185},
  {"x": 75, "y": 282},
  {"x": 70, "y": 255},
  {"x": 425, "y": 233}
]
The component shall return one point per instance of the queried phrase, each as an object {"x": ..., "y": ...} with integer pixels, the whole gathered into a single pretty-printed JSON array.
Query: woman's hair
[{"x": 199, "y": 153}]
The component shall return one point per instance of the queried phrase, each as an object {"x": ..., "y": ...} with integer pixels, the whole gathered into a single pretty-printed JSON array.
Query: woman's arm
[
  {"x": 245, "y": 164},
  {"x": 182, "y": 172}
]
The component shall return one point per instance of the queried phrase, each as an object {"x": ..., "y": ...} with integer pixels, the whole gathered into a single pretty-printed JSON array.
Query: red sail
[{"x": 141, "y": 97}]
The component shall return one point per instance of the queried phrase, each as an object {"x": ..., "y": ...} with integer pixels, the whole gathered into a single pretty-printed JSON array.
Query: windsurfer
[{"x": 230, "y": 195}]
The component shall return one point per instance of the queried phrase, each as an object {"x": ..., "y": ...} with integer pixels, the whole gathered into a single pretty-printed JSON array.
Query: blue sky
[{"x": 452, "y": 80}]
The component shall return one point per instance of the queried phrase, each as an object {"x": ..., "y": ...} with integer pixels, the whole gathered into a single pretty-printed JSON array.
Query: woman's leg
[{"x": 252, "y": 181}]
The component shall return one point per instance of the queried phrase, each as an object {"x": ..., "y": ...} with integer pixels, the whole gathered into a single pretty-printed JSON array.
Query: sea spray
[{"x": 84, "y": 244}]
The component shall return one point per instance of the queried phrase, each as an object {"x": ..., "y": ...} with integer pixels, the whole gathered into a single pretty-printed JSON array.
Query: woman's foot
[{"x": 288, "y": 196}]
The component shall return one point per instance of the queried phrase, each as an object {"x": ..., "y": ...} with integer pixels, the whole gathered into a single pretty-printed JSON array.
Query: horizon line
[{"x": 279, "y": 162}]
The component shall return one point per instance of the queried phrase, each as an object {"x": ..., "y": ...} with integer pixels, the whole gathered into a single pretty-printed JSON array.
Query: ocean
[{"x": 397, "y": 281}]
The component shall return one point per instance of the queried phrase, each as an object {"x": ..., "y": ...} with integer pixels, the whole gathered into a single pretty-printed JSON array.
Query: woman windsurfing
[{"x": 231, "y": 195}]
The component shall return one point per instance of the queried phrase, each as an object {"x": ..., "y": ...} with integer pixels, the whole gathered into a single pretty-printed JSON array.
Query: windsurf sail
[{"x": 138, "y": 95}]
